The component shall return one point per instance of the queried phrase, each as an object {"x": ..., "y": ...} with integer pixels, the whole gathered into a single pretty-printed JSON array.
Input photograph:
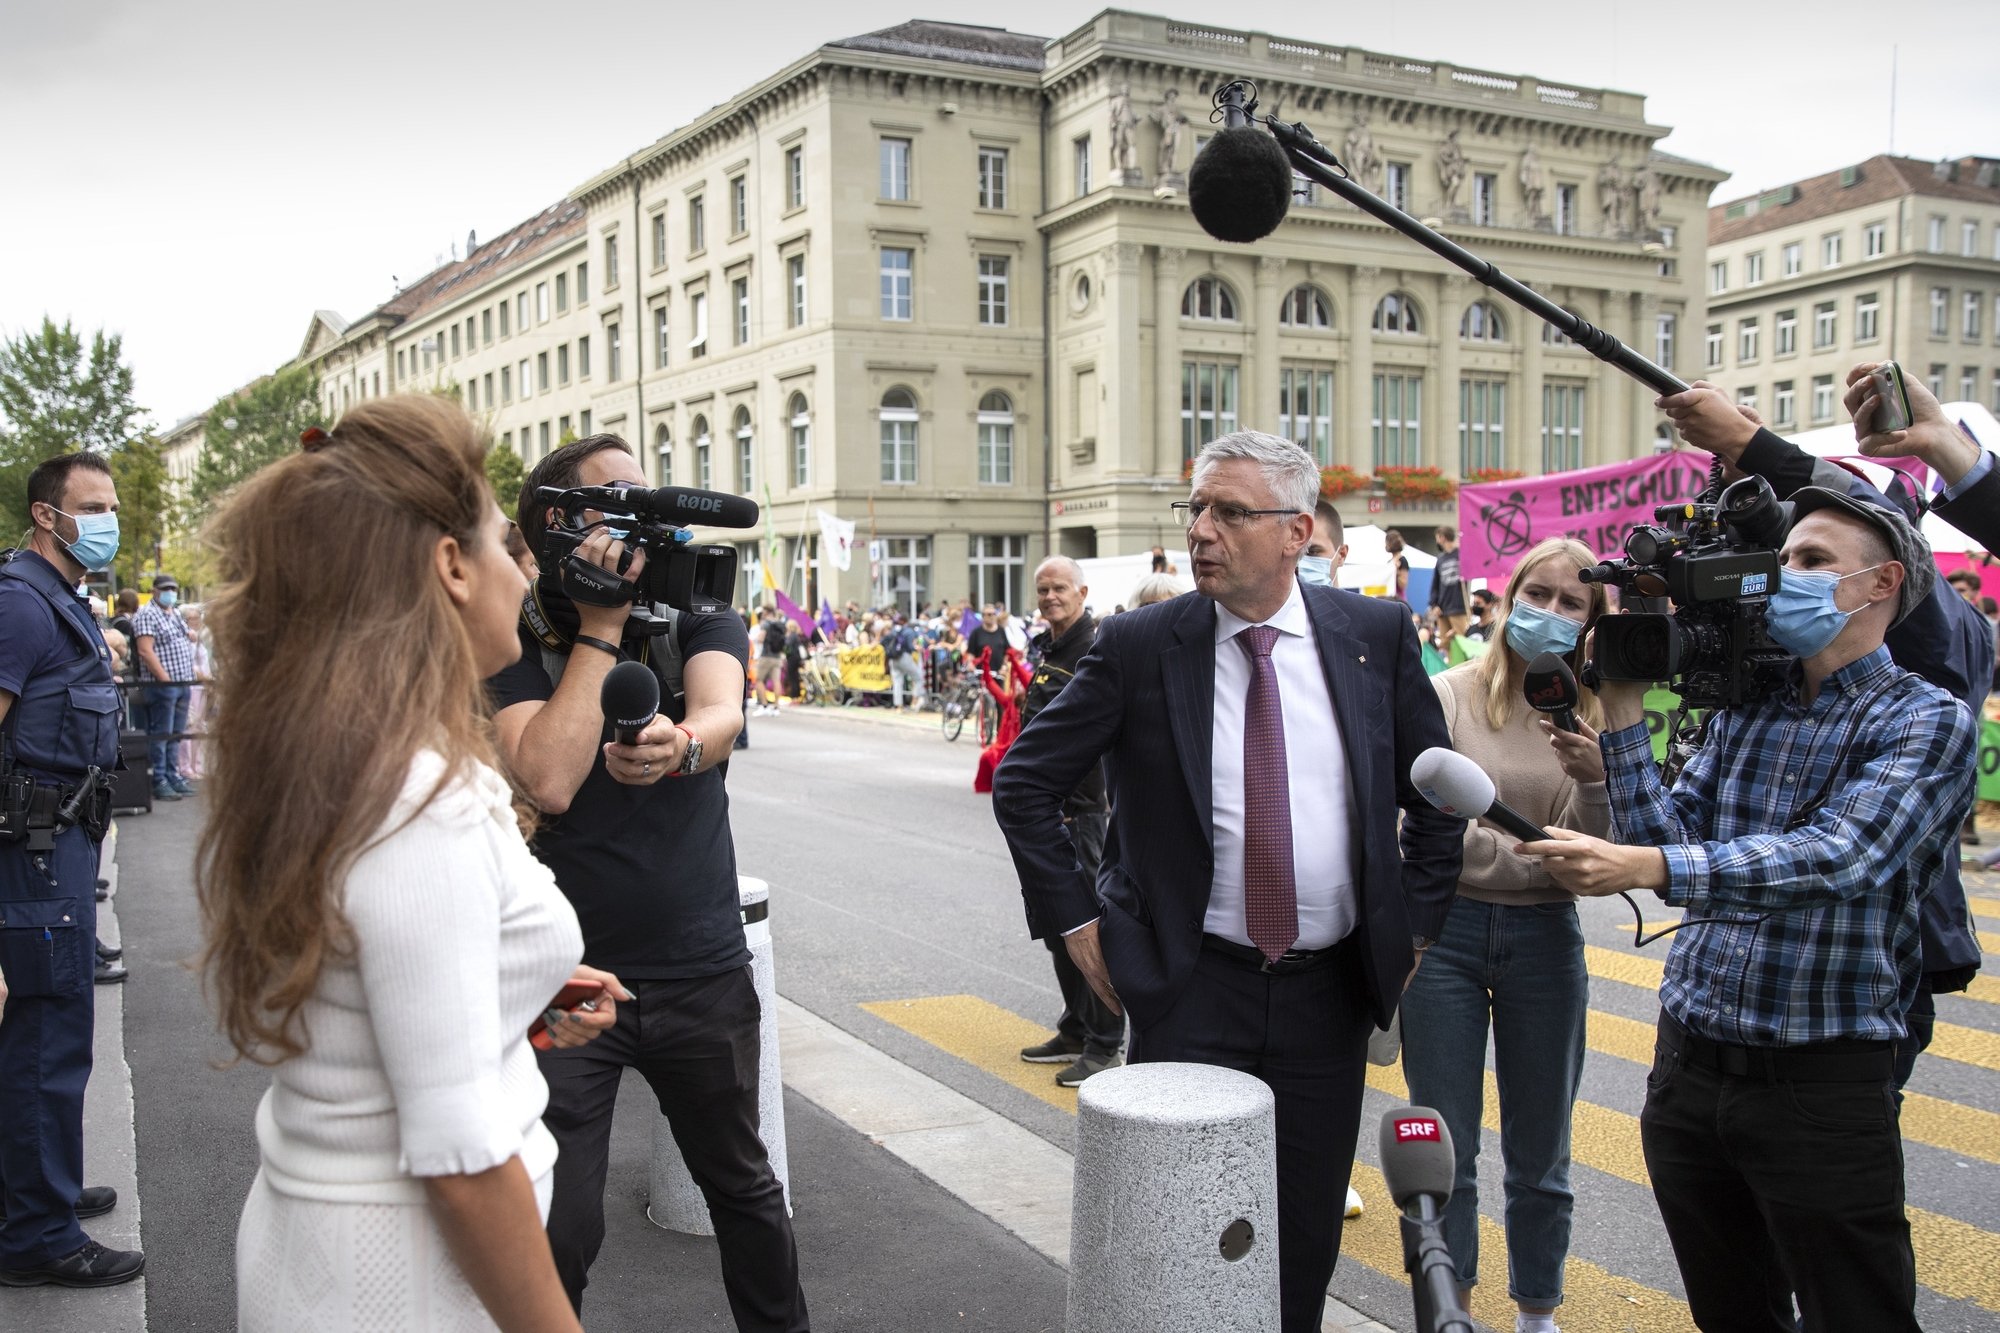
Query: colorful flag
[
  {"x": 826, "y": 621},
  {"x": 794, "y": 612},
  {"x": 968, "y": 623},
  {"x": 836, "y": 539}
]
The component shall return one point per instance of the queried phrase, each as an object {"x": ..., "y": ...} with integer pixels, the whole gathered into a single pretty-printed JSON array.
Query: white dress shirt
[{"x": 1316, "y": 772}]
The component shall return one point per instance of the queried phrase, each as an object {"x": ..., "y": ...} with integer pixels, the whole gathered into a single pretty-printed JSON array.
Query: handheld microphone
[
  {"x": 631, "y": 699},
  {"x": 1551, "y": 688},
  {"x": 1418, "y": 1166},
  {"x": 1457, "y": 786}
]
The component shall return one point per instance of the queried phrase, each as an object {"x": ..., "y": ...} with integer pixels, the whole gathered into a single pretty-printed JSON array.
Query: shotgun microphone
[
  {"x": 1418, "y": 1166},
  {"x": 1551, "y": 688},
  {"x": 1457, "y": 786},
  {"x": 630, "y": 697}
]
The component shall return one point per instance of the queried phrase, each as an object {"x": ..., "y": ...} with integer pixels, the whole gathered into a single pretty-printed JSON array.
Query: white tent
[
  {"x": 1837, "y": 442},
  {"x": 1368, "y": 569},
  {"x": 1111, "y": 578}
]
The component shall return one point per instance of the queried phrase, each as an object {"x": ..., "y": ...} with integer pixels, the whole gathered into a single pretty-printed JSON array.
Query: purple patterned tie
[{"x": 1270, "y": 897}]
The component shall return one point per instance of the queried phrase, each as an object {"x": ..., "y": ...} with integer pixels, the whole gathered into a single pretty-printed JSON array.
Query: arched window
[
  {"x": 1397, "y": 313},
  {"x": 899, "y": 437},
  {"x": 1482, "y": 324},
  {"x": 996, "y": 439},
  {"x": 1555, "y": 337},
  {"x": 746, "y": 448},
  {"x": 1209, "y": 298},
  {"x": 801, "y": 420},
  {"x": 704, "y": 464},
  {"x": 1306, "y": 307},
  {"x": 663, "y": 447}
]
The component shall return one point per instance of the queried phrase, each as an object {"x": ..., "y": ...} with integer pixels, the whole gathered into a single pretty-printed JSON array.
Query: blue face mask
[
  {"x": 167, "y": 598},
  {"x": 1532, "y": 631},
  {"x": 96, "y": 543},
  {"x": 1316, "y": 569},
  {"x": 1803, "y": 619}
]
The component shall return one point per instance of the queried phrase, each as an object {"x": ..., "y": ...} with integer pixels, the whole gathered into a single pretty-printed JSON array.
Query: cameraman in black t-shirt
[{"x": 638, "y": 838}]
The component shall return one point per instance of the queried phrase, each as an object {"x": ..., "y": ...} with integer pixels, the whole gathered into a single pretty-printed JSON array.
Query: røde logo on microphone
[
  {"x": 1412, "y": 1129},
  {"x": 698, "y": 502}
]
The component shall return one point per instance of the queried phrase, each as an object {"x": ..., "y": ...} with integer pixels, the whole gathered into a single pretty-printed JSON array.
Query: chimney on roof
[
  {"x": 1988, "y": 171},
  {"x": 471, "y": 243}
]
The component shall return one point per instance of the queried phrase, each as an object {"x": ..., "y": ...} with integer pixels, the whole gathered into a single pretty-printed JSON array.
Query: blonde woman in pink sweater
[{"x": 1510, "y": 959}]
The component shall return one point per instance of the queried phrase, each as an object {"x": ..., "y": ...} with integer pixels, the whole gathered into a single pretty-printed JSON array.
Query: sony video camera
[
  {"x": 677, "y": 572},
  {"x": 1717, "y": 558}
]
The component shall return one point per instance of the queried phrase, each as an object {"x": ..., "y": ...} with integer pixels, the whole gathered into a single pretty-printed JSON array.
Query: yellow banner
[{"x": 864, "y": 669}]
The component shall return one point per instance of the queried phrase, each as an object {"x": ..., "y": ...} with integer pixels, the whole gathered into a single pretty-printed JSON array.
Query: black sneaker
[
  {"x": 91, "y": 1266},
  {"x": 1085, "y": 1067},
  {"x": 1057, "y": 1050},
  {"x": 96, "y": 1201},
  {"x": 110, "y": 974},
  {"x": 107, "y": 954}
]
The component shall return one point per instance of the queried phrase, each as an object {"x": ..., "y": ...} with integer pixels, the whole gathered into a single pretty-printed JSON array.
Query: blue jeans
[
  {"x": 1522, "y": 969},
  {"x": 166, "y": 719}
]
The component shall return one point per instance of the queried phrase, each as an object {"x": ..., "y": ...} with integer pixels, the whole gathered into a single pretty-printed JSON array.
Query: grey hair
[
  {"x": 1155, "y": 588},
  {"x": 1288, "y": 470},
  {"x": 1066, "y": 565}
]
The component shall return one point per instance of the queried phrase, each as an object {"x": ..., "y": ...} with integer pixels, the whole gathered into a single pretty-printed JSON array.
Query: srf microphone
[
  {"x": 1240, "y": 186},
  {"x": 1418, "y": 1166},
  {"x": 1551, "y": 688},
  {"x": 631, "y": 699},
  {"x": 1457, "y": 786}
]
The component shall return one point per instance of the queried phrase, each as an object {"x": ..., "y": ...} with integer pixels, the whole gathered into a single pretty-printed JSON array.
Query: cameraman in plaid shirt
[{"x": 1802, "y": 838}]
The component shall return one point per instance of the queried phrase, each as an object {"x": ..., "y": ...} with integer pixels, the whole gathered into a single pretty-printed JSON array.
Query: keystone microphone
[
  {"x": 1418, "y": 1166},
  {"x": 1457, "y": 786},
  {"x": 1551, "y": 688},
  {"x": 630, "y": 698}
]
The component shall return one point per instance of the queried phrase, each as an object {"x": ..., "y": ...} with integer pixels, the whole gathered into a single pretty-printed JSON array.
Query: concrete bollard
[
  {"x": 1174, "y": 1214},
  {"x": 674, "y": 1201}
]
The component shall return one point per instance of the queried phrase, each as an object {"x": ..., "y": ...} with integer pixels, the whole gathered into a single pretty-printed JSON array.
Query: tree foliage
[
  {"x": 145, "y": 505},
  {"x": 58, "y": 396},
  {"x": 507, "y": 473},
  {"x": 255, "y": 426}
]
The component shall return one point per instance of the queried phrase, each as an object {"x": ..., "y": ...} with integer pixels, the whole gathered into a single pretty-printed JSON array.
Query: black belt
[
  {"x": 1291, "y": 960},
  {"x": 1842, "y": 1061}
]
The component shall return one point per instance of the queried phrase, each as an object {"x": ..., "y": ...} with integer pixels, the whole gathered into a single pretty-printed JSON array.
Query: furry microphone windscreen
[{"x": 1240, "y": 186}]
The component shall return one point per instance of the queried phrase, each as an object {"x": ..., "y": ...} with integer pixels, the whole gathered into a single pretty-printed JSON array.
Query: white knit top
[{"x": 419, "y": 1063}]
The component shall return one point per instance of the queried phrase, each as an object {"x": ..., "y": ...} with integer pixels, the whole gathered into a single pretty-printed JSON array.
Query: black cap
[
  {"x": 1906, "y": 545},
  {"x": 165, "y": 581}
]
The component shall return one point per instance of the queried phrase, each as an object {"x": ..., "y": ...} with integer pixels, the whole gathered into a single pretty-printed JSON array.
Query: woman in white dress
[{"x": 377, "y": 931}]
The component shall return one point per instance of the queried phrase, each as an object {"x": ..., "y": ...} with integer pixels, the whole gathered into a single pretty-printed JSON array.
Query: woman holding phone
[{"x": 377, "y": 931}]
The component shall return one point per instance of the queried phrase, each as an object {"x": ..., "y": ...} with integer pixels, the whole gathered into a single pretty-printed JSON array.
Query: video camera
[
  {"x": 678, "y": 573},
  {"x": 1717, "y": 558}
]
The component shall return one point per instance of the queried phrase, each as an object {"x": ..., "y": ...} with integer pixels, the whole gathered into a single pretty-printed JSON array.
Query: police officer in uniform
[{"x": 59, "y": 711}]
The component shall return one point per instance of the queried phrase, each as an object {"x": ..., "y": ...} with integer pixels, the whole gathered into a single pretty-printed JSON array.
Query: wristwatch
[{"x": 691, "y": 760}]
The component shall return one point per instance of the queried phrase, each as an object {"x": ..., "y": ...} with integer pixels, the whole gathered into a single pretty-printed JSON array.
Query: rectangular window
[
  {"x": 897, "y": 301},
  {"x": 1972, "y": 302},
  {"x": 1664, "y": 328},
  {"x": 1935, "y": 380},
  {"x": 995, "y": 426},
  {"x": 1746, "y": 340},
  {"x": 899, "y": 444},
  {"x": 1968, "y": 240},
  {"x": 697, "y": 226},
  {"x": 471, "y": 394},
  {"x": 488, "y": 387},
  {"x": 506, "y": 384},
  {"x": 1482, "y": 415},
  {"x": 795, "y": 288},
  {"x": 583, "y": 363},
  {"x": 1867, "y": 311},
  {"x": 1785, "y": 403},
  {"x": 660, "y": 343},
  {"x": 541, "y": 372},
  {"x": 521, "y": 310},
  {"x": 801, "y": 427},
  {"x": 698, "y": 324},
  {"x": 739, "y": 304},
  {"x": 1874, "y": 240},
  {"x": 610, "y": 261},
  {"x": 992, "y": 177},
  {"x": 454, "y": 342},
  {"x": 992, "y": 290},
  {"x": 1753, "y": 268},
  {"x": 1000, "y": 571},
  {"x": 1305, "y": 410},
  {"x": 563, "y": 435},
  {"x": 1968, "y": 384},
  {"x": 503, "y": 318},
  {"x": 562, "y": 293},
  {"x": 746, "y": 456},
  {"x": 1829, "y": 250},
  {"x": 562, "y": 365},
  {"x": 1712, "y": 347},
  {"x": 795, "y": 177},
  {"x": 1794, "y": 259},
  {"x": 1718, "y": 276},
  {"x": 1208, "y": 404},
  {"x": 542, "y": 433},
  {"x": 1485, "y": 199},
  {"x": 1822, "y": 398},
  {"x": 523, "y": 381},
  {"x": 1397, "y": 189},
  {"x": 1940, "y": 314},
  {"x": 1826, "y": 324},
  {"x": 1562, "y": 427},
  {"x": 582, "y": 280},
  {"x": 903, "y": 577},
  {"x": 1566, "y": 210},
  {"x": 1747, "y": 397},
  {"x": 739, "y": 205},
  {"x": 659, "y": 240},
  {"x": 486, "y": 326},
  {"x": 613, "y": 353},
  {"x": 1396, "y": 422},
  {"x": 471, "y": 335},
  {"x": 895, "y": 164},
  {"x": 541, "y": 303},
  {"x": 1785, "y": 333},
  {"x": 1079, "y": 152}
]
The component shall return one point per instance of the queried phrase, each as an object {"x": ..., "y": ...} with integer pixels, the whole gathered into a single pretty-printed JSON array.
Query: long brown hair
[
  {"x": 341, "y": 656},
  {"x": 1496, "y": 674}
]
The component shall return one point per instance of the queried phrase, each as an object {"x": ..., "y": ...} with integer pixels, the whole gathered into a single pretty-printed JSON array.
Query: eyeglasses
[{"x": 1225, "y": 516}]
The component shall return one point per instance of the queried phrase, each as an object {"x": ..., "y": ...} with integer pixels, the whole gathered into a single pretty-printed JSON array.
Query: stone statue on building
[
  {"x": 1646, "y": 195},
  {"x": 1534, "y": 186},
  {"x": 1613, "y": 193},
  {"x": 1124, "y": 147},
  {"x": 1174, "y": 136},
  {"x": 1363, "y": 163},
  {"x": 1451, "y": 171}
]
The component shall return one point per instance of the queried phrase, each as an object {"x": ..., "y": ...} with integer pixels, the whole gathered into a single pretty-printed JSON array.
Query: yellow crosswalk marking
[
  {"x": 983, "y": 1035},
  {"x": 1983, "y": 906},
  {"x": 1983, "y": 988},
  {"x": 1989, "y": 941}
]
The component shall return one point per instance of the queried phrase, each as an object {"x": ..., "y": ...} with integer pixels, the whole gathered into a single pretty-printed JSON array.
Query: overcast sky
[{"x": 200, "y": 175}]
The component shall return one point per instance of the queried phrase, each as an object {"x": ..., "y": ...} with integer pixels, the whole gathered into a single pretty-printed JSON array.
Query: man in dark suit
[
  {"x": 1253, "y": 908},
  {"x": 1970, "y": 500}
]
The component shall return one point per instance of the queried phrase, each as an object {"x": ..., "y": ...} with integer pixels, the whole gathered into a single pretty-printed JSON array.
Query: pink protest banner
[{"x": 1499, "y": 520}]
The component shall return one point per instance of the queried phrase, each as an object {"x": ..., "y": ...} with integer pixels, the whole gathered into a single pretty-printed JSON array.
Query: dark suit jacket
[
  {"x": 1144, "y": 699},
  {"x": 1977, "y": 512}
]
